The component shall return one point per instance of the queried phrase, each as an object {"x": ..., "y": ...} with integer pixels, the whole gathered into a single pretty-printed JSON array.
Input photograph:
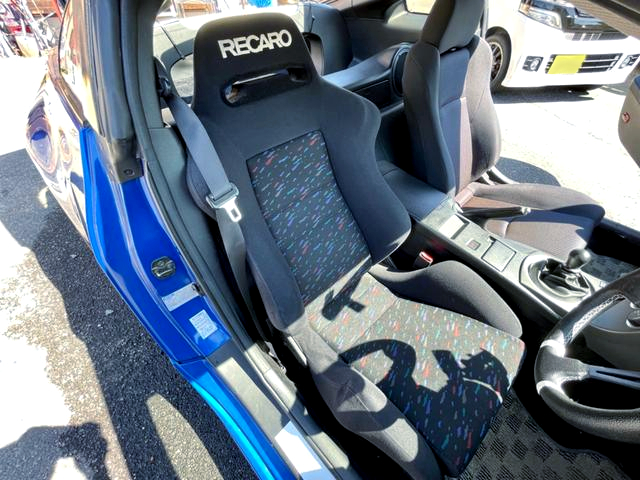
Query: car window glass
[
  {"x": 420, "y": 6},
  {"x": 183, "y": 9},
  {"x": 69, "y": 54},
  {"x": 192, "y": 14},
  {"x": 182, "y": 76}
]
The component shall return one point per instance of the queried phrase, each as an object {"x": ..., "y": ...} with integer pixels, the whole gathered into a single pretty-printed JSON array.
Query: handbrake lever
[{"x": 502, "y": 212}]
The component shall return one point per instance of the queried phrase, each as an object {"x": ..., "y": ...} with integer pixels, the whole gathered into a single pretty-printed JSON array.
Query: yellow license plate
[{"x": 565, "y": 64}]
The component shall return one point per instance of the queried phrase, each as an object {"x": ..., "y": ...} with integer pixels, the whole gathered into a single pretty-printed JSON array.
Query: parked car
[
  {"x": 27, "y": 36},
  {"x": 316, "y": 235},
  {"x": 6, "y": 49},
  {"x": 537, "y": 43},
  {"x": 15, "y": 30}
]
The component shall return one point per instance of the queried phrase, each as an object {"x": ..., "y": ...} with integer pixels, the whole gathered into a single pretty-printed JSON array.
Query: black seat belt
[{"x": 222, "y": 193}]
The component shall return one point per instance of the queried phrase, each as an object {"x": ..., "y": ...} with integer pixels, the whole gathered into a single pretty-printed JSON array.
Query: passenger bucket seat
[
  {"x": 455, "y": 135},
  {"x": 415, "y": 362}
]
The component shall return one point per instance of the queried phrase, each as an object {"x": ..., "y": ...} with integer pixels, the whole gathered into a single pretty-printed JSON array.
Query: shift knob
[{"x": 577, "y": 259}]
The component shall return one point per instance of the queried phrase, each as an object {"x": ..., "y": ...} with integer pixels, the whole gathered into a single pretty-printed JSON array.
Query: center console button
[{"x": 473, "y": 244}]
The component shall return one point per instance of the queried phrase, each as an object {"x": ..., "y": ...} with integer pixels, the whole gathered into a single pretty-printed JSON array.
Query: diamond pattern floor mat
[
  {"x": 607, "y": 268},
  {"x": 516, "y": 448}
]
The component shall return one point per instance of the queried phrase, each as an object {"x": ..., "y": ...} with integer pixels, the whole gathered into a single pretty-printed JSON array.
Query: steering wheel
[{"x": 553, "y": 368}]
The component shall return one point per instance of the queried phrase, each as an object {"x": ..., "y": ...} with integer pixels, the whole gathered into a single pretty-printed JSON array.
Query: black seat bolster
[
  {"x": 452, "y": 286},
  {"x": 422, "y": 108}
]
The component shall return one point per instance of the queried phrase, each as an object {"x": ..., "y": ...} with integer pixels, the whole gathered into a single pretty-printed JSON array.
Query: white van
[{"x": 550, "y": 42}]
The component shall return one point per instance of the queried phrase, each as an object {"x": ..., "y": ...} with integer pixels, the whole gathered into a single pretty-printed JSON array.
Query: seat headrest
[
  {"x": 243, "y": 58},
  {"x": 452, "y": 23}
]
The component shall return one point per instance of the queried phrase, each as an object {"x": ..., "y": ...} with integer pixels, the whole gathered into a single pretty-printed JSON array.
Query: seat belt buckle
[
  {"x": 227, "y": 202},
  {"x": 423, "y": 260}
]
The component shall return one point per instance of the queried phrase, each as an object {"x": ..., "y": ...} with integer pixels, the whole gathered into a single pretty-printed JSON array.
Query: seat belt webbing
[{"x": 222, "y": 193}]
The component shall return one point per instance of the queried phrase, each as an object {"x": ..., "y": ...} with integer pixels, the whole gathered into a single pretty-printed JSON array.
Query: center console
[
  {"x": 545, "y": 288},
  {"x": 550, "y": 286}
]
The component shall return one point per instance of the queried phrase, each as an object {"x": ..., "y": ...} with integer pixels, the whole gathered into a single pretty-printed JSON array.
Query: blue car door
[{"x": 54, "y": 124}]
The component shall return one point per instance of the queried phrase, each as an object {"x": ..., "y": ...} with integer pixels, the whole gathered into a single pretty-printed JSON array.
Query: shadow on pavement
[
  {"x": 129, "y": 366},
  {"x": 35, "y": 454},
  {"x": 525, "y": 172},
  {"x": 541, "y": 95}
]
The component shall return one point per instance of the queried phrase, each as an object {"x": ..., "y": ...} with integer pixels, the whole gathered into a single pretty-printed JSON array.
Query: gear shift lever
[
  {"x": 566, "y": 279},
  {"x": 577, "y": 259}
]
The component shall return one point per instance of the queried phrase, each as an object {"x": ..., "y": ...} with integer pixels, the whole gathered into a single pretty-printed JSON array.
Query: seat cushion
[
  {"x": 540, "y": 197},
  {"x": 562, "y": 219},
  {"x": 549, "y": 231},
  {"x": 446, "y": 372}
]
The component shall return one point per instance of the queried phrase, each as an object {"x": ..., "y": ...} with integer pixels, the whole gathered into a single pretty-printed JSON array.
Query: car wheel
[{"x": 501, "y": 54}]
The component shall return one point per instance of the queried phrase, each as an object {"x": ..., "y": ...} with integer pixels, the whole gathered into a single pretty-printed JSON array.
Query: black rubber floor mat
[{"x": 516, "y": 448}]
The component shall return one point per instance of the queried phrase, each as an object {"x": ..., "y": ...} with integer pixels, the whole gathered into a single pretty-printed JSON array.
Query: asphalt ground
[
  {"x": 85, "y": 392},
  {"x": 570, "y": 138}
]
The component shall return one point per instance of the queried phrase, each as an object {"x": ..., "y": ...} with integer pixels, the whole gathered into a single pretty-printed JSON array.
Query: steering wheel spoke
[
  {"x": 571, "y": 369},
  {"x": 626, "y": 378},
  {"x": 553, "y": 368}
]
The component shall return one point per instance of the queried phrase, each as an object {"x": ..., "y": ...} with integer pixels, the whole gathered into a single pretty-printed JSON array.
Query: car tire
[{"x": 501, "y": 55}]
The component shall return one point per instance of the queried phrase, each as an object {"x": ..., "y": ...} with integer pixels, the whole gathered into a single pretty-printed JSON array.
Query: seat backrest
[
  {"x": 316, "y": 210},
  {"x": 453, "y": 124},
  {"x": 327, "y": 36}
]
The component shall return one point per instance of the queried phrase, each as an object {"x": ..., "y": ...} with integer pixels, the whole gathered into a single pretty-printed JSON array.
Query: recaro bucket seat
[
  {"x": 416, "y": 362},
  {"x": 455, "y": 135}
]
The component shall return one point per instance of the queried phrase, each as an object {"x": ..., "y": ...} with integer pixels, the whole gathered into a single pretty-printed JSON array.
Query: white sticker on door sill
[
  {"x": 180, "y": 297},
  {"x": 203, "y": 324},
  {"x": 299, "y": 453}
]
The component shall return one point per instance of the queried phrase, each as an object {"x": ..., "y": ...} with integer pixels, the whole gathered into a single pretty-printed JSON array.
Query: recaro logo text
[{"x": 254, "y": 43}]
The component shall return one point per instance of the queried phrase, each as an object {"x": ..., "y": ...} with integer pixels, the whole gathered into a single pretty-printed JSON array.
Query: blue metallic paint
[
  {"x": 54, "y": 146},
  {"x": 126, "y": 234},
  {"x": 264, "y": 459}
]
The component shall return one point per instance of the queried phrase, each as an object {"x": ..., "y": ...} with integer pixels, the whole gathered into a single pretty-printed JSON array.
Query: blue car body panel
[
  {"x": 53, "y": 143},
  {"x": 264, "y": 459},
  {"x": 126, "y": 233}
]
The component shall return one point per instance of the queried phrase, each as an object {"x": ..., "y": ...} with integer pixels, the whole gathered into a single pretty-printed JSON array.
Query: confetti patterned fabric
[
  {"x": 310, "y": 221},
  {"x": 454, "y": 391},
  {"x": 447, "y": 373}
]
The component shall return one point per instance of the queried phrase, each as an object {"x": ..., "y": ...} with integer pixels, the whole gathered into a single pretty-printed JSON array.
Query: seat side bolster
[
  {"x": 362, "y": 408},
  {"x": 483, "y": 118},
  {"x": 356, "y": 171},
  {"x": 432, "y": 162},
  {"x": 452, "y": 286}
]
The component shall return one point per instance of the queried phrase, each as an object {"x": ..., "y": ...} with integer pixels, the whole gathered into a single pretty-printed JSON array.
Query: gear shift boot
[{"x": 566, "y": 279}]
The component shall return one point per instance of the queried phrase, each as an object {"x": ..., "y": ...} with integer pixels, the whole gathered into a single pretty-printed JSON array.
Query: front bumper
[{"x": 601, "y": 65}]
